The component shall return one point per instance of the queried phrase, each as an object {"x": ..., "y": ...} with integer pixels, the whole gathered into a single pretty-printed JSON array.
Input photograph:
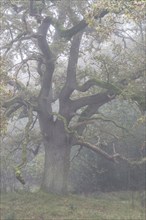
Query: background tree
[{"x": 39, "y": 37}]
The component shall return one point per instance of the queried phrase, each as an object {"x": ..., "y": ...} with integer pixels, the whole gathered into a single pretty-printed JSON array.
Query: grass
[{"x": 42, "y": 206}]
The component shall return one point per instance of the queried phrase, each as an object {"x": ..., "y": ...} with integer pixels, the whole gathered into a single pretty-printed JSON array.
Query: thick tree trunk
[
  {"x": 56, "y": 167},
  {"x": 57, "y": 161}
]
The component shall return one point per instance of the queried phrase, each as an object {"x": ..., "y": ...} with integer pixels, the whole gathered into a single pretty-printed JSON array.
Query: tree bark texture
[
  {"x": 56, "y": 167},
  {"x": 57, "y": 158}
]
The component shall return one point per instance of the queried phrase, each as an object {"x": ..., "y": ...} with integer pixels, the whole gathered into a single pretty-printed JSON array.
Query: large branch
[
  {"x": 94, "y": 82},
  {"x": 97, "y": 150},
  {"x": 87, "y": 113},
  {"x": 70, "y": 84},
  {"x": 73, "y": 59},
  {"x": 100, "y": 99},
  {"x": 116, "y": 157},
  {"x": 93, "y": 103},
  {"x": 49, "y": 63},
  {"x": 68, "y": 34},
  {"x": 42, "y": 42},
  {"x": 69, "y": 107}
]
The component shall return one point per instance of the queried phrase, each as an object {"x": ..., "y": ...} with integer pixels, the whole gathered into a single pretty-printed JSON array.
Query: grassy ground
[{"x": 41, "y": 206}]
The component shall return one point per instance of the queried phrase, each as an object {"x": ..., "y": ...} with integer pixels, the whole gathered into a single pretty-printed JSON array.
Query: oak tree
[{"x": 38, "y": 38}]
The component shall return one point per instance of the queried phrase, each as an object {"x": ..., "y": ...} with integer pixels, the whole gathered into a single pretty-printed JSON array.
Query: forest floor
[{"x": 99, "y": 206}]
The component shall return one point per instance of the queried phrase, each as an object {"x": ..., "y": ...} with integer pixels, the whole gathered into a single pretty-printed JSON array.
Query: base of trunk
[{"x": 56, "y": 168}]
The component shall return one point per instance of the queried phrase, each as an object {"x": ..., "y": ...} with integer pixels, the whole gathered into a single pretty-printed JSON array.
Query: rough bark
[
  {"x": 56, "y": 168},
  {"x": 57, "y": 159}
]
